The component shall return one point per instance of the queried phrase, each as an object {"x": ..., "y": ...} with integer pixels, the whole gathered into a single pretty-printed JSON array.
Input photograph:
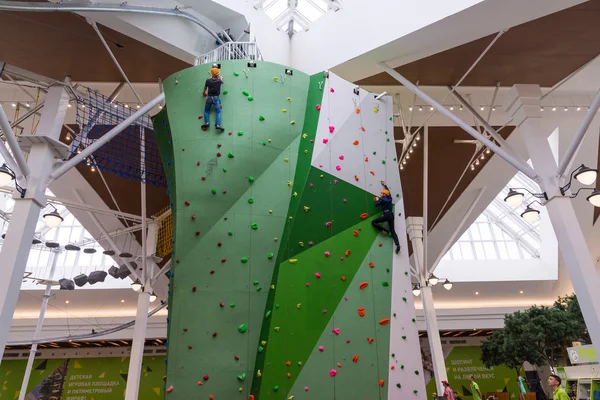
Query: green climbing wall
[{"x": 274, "y": 253}]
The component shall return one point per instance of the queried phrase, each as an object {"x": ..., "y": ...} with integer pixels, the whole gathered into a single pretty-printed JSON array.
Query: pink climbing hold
[
  {"x": 198, "y": 163},
  {"x": 219, "y": 154},
  {"x": 310, "y": 243},
  {"x": 336, "y": 331},
  {"x": 219, "y": 145},
  {"x": 325, "y": 141},
  {"x": 327, "y": 254},
  {"x": 335, "y": 181},
  {"x": 332, "y": 90},
  {"x": 342, "y": 258},
  {"x": 324, "y": 311},
  {"x": 307, "y": 284},
  {"x": 332, "y": 373},
  {"x": 317, "y": 275},
  {"x": 337, "y": 167},
  {"x": 341, "y": 157},
  {"x": 318, "y": 107},
  {"x": 331, "y": 128},
  {"x": 328, "y": 224},
  {"x": 320, "y": 165},
  {"x": 347, "y": 340},
  {"x": 321, "y": 348},
  {"x": 346, "y": 298},
  {"x": 311, "y": 185},
  {"x": 306, "y": 388},
  {"x": 169, "y": 389}
]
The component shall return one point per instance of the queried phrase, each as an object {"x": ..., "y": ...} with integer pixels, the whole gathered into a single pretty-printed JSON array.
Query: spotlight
[
  {"x": 553, "y": 108},
  {"x": 416, "y": 289},
  {"x": 476, "y": 162},
  {"x": 53, "y": 219},
  {"x": 137, "y": 106},
  {"x": 126, "y": 105},
  {"x": 542, "y": 109},
  {"x": 494, "y": 108},
  {"x": 447, "y": 285},
  {"x": 461, "y": 108},
  {"x": 566, "y": 109},
  {"x": 451, "y": 108},
  {"x": 420, "y": 108},
  {"x": 530, "y": 214},
  {"x": 578, "y": 108},
  {"x": 430, "y": 108},
  {"x": 418, "y": 137},
  {"x": 514, "y": 198},
  {"x": 69, "y": 105},
  {"x": 472, "y": 167},
  {"x": 410, "y": 108},
  {"x": 483, "y": 156},
  {"x": 482, "y": 108},
  {"x": 488, "y": 151},
  {"x": 14, "y": 104},
  {"x": 27, "y": 105}
]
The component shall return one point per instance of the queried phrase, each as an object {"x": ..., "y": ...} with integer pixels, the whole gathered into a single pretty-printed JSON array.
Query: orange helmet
[
  {"x": 385, "y": 192},
  {"x": 215, "y": 71}
]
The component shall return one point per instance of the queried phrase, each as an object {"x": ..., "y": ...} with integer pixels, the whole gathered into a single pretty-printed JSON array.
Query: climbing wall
[{"x": 281, "y": 288}]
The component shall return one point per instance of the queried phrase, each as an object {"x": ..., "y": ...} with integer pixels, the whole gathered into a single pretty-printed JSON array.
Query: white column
[
  {"x": 38, "y": 329},
  {"x": 414, "y": 228},
  {"x": 21, "y": 229},
  {"x": 522, "y": 102}
]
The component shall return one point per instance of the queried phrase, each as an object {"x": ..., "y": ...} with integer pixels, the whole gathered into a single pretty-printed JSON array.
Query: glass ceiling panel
[{"x": 301, "y": 12}]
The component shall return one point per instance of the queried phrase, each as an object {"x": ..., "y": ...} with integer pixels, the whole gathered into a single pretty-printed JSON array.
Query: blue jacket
[{"x": 386, "y": 203}]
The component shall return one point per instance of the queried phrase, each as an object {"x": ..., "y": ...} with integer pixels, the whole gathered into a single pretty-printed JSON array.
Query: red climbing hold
[
  {"x": 177, "y": 261},
  {"x": 380, "y": 244},
  {"x": 211, "y": 397},
  {"x": 361, "y": 311},
  {"x": 219, "y": 145},
  {"x": 194, "y": 289},
  {"x": 364, "y": 216},
  {"x": 363, "y": 285},
  {"x": 384, "y": 321},
  {"x": 169, "y": 389},
  {"x": 190, "y": 347},
  {"x": 185, "y": 329},
  {"x": 288, "y": 363},
  {"x": 212, "y": 271},
  {"x": 219, "y": 244},
  {"x": 370, "y": 340},
  {"x": 355, "y": 233},
  {"x": 197, "y": 233},
  {"x": 236, "y": 358},
  {"x": 221, "y": 304},
  {"x": 182, "y": 149},
  {"x": 343, "y": 278},
  {"x": 205, "y": 377},
  {"x": 371, "y": 265},
  {"x": 200, "y": 117},
  {"x": 204, "y": 128},
  {"x": 224, "y": 191},
  {"x": 223, "y": 260},
  {"x": 203, "y": 178},
  {"x": 193, "y": 216},
  {"x": 355, "y": 358},
  {"x": 198, "y": 163},
  {"x": 187, "y": 203},
  {"x": 214, "y": 334},
  {"x": 230, "y": 133},
  {"x": 381, "y": 381},
  {"x": 199, "y": 383},
  {"x": 218, "y": 154}
]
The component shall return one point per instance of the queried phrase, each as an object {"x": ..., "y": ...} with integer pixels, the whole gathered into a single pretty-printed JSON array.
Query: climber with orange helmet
[
  {"x": 387, "y": 206},
  {"x": 213, "y": 85}
]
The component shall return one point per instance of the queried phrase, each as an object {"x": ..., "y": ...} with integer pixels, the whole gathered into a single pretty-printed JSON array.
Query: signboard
[{"x": 582, "y": 354}]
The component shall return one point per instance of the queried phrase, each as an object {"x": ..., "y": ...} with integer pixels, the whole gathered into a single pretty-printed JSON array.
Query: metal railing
[{"x": 232, "y": 51}]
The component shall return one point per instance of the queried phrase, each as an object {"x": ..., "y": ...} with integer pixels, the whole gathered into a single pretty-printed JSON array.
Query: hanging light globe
[
  {"x": 530, "y": 214},
  {"x": 514, "y": 198},
  {"x": 586, "y": 176}
]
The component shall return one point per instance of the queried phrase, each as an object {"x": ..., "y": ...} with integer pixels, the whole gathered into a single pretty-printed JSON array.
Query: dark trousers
[{"x": 389, "y": 218}]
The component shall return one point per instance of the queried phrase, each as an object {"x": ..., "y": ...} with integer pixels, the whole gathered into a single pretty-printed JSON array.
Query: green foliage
[
  {"x": 570, "y": 305},
  {"x": 503, "y": 349}
]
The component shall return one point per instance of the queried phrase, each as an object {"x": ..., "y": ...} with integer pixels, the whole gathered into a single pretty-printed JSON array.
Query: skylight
[{"x": 297, "y": 14}]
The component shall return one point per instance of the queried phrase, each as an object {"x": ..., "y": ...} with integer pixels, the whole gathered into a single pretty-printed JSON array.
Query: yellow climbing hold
[
  {"x": 240, "y": 390},
  {"x": 269, "y": 140},
  {"x": 375, "y": 110},
  {"x": 290, "y": 183},
  {"x": 275, "y": 239},
  {"x": 264, "y": 342},
  {"x": 295, "y": 194},
  {"x": 322, "y": 176},
  {"x": 276, "y": 329},
  {"x": 305, "y": 151},
  {"x": 272, "y": 287},
  {"x": 286, "y": 159},
  {"x": 284, "y": 110},
  {"x": 258, "y": 374},
  {"x": 292, "y": 122},
  {"x": 291, "y": 218},
  {"x": 289, "y": 99},
  {"x": 293, "y": 260},
  {"x": 306, "y": 209},
  {"x": 301, "y": 244},
  {"x": 290, "y": 398},
  {"x": 298, "y": 306},
  {"x": 304, "y": 136},
  {"x": 276, "y": 79},
  {"x": 270, "y": 211},
  {"x": 300, "y": 363}
]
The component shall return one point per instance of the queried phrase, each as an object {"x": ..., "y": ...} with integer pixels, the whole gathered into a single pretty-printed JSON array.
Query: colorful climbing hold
[
  {"x": 371, "y": 265},
  {"x": 385, "y": 283},
  {"x": 230, "y": 155},
  {"x": 242, "y": 328},
  {"x": 355, "y": 358},
  {"x": 244, "y": 260},
  {"x": 250, "y": 98},
  {"x": 268, "y": 314},
  {"x": 336, "y": 331},
  {"x": 338, "y": 168},
  {"x": 370, "y": 340},
  {"x": 270, "y": 256},
  {"x": 332, "y": 372},
  {"x": 292, "y": 122},
  {"x": 363, "y": 285},
  {"x": 245, "y": 93},
  {"x": 250, "y": 179},
  {"x": 293, "y": 260},
  {"x": 169, "y": 389},
  {"x": 213, "y": 191},
  {"x": 325, "y": 140},
  {"x": 317, "y": 275},
  {"x": 331, "y": 128},
  {"x": 236, "y": 73},
  {"x": 328, "y": 224},
  {"x": 327, "y": 254},
  {"x": 384, "y": 321},
  {"x": 361, "y": 311},
  {"x": 254, "y": 226},
  {"x": 261, "y": 118},
  {"x": 318, "y": 107}
]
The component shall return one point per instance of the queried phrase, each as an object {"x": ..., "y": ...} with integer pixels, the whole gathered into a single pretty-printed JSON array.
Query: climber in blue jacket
[{"x": 387, "y": 206}]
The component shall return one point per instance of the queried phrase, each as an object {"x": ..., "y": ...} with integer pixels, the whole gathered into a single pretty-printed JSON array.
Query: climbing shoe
[
  {"x": 219, "y": 128},
  {"x": 205, "y": 126},
  {"x": 397, "y": 249}
]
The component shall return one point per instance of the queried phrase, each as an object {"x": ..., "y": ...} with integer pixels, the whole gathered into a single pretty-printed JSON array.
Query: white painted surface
[{"x": 497, "y": 270}]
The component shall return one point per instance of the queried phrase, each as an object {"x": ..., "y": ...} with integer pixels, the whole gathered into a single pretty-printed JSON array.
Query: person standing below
[
  {"x": 448, "y": 392},
  {"x": 475, "y": 388},
  {"x": 387, "y": 206},
  {"x": 213, "y": 85},
  {"x": 522, "y": 391},
  {"x": 554, "y": 381}
]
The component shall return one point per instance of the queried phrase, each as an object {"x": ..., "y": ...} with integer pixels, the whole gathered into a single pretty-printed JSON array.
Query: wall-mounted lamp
[{"x": 53, "y": 218}]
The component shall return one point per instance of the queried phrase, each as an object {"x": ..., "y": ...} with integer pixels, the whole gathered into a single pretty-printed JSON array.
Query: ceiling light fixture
[
  {"x": 430, "y": 108},
  {"x": 6, "y": 175},
  {"x": 541, "y": 108},
  {"x": 594, "y": 198},
  {"x": 476, "y": 293},
  {"x": 137, "y": 106},
  {"x": 447, "y": 285},
  {"x": 14, "y": 104},
  {"x": 416, "y": 289},
  {"x": 514, "y": 198},
  {"x": 578, "y": 108},
  {"x": 521, "y": 292},
  {"x": 433, "y": 280},
  {"x": 137, "y": 285},
  {"x": 482, "y": 108},
  {"x": 461, "y": 108},
  {"x": 69, "y": 105},
  {"x": 53, "y": 218},
  {"x": 586, "y": 176},
  {"x": 566, "y": 109},
  {"x": 530, "y": 214},
  {"x": 420, "y": 108},
  {"x": 451, "y": 108},
  {"x": 553, "y": 108},
  {"x": 410, "y": 108},
  {"x": 152, "y": 297}
]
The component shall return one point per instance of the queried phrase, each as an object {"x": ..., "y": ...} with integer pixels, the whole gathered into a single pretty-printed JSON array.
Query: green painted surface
[
  {"x": 203, "y": 335},
  {"x": 300, "y": 328},
  {"x": 463, "y": 361},
  {"x": 81, "y": 378},
  {"x": 372, "y": 357}
]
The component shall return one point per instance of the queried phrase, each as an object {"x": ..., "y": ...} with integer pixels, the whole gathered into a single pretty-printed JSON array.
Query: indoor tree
[{"x": 501, "y": 349}]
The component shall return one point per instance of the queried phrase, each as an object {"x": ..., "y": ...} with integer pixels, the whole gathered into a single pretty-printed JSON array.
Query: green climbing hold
[
  {"x": 275, "y": 388},
  {"x": 230, "y": 233},
  {"x": 386, "y": 132},
  {"x": 415, "y": 391},
  {"x": 255, "y": 283},
  {"x": 416, "y": 372},
  {"x": 242, "y": 328},
  {"x": 236, "y": 73},
  {"x": 254, "y": 226},
  {"x": 260, "y": 349},
  {"x": 395, "y": 159},
  {"x": 394, "y": 315},
  {"x": 250, "y": 179},
  {"x": 261, "y": 118},
  {"x": 244, "y": 260},
  {"x": 225, "y": 170},
  {"x": 388, "y": 139},
  {"x": 404, "y": 299},
  {"x": 406, "y": 273},
  {"x": 393, "y": 354},
  {"x": 268, "y": 314},
  {"x": 250, "y": 98},
  {"x": 398, "y": 385},
  {"x": 230, "y": 155},
  {"x": 258, "y": 288},
  {"x": 404, "y": 337},
  {"x": 264, "y": 143},
  {"x": 242, "y": 376},
  {"x": 270, "y": 256},
  {"x": 251, "y": 200},
  {"x": 384, "y": 283},
  {"x": 414, "y": 320},
  {"x": 383, "y": 161},
  {"x": 276, "y": 306},
  {"x": 402, "y": 366},
  {"x": 225, "y": 91},
  {"x": 241, "y": 133},
  {"x": 232, "y": 305},
  {"x": 374, "y": 153},
  {"x": 245, "y": 93}
]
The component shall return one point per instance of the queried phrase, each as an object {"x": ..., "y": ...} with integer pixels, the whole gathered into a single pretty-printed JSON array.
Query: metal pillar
[
  {"x": 414, "y": 228},
  {"x": 15, "y": 250},
  {"x": 523, "y": 103},
  {"x": 38, "y": 329}
]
